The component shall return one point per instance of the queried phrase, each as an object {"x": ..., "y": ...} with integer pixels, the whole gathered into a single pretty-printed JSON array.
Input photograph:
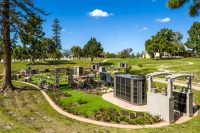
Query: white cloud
[
  {"x": 100, "y": 13},
  {"x": 143, "y": 29},
  {"x": 63, "y": 30},
  {"x": 163, "y": 20}
]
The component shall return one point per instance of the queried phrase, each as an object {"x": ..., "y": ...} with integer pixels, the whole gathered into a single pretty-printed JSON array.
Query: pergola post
[
  {"x": 56, "y": 77},
  {"x": 169, "y": 87},
  {"x": 150, "y": 81},
  {"x": 189, "y": 107}
]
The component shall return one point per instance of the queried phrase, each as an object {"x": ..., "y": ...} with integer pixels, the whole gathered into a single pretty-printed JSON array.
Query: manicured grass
[
  {"x": 171, "y": 64},
  {"x": 17, "y": 66},
  {"x": 146, "y": 66},
  {"x": 93, "y": 104},
  {"x": 196, "y": 97},
  {"x": 36, "y": 116},
  {"x": 25, "y": 104}
]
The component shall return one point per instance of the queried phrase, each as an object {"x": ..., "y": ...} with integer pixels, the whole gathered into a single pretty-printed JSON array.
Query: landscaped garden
[
  {"x": 28, "y": 111},
  {"x": 135, "y": 73},
  {"x": 93, "y": 106}
]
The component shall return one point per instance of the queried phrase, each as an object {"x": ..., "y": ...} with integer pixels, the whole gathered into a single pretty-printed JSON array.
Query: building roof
[{"x": 130, "y": 76}]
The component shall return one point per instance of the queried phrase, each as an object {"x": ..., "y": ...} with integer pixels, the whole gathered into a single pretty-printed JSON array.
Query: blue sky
[{"x": 117, "y": 24}]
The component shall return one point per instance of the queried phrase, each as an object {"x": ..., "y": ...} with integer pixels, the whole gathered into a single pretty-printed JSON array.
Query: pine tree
[
  {"x": 56, "y": 34},
  {"x": 13, "y": 15},
  {"x": 93, "y": 49},
  {"x": 32, "y": 35},
  {"x": 193, "y": 9}
]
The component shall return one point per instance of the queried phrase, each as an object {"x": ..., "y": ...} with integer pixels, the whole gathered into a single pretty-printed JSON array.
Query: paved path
[
  {"x": 123, "y": 104},
  {"x": 179, "y": 83},
  {"x": 54, "y": 106},
  {"x": 105, "y": 60}
]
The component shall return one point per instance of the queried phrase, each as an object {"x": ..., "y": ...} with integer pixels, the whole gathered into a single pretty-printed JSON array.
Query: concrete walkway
[
  {"x": 54, "y": 106},
  {"x": 105, "y": 60},
  {"x": 179, "y": 83},
  {"x": 123, "y": 104}
]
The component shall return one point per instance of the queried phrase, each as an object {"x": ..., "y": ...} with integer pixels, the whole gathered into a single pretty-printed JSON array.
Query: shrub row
[{"x": 123, "y": 116}]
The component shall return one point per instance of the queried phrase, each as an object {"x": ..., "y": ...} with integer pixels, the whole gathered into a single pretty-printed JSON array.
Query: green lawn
[
  {"x": 93, "y": 102},
  {"x": 140, "y": 66},
  {"x": 28, "y": 111},
  {"x": 17, "y": 66},
  {"x": 146, "y": 66}
]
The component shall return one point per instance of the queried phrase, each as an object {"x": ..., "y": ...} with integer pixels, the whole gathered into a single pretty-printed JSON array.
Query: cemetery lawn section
[
  {"x": 28, "y": 111},
  {"x": 93, "y": 102},
  {"x": 42, "y": 65},
  {"x": 146, "y": 66},
  {"x": 139, "y": 66}
]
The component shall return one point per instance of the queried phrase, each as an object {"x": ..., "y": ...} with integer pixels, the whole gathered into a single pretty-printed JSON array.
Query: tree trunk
[
  {"x": 160, "y": 55},
  {"x": 92, "y": 59},
  {"x": 33, "y": 60},
  {"x": 7, "y": 84}
]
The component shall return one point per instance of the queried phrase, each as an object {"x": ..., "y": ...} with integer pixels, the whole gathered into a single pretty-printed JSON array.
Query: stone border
[{"x": 94, "y": 122}]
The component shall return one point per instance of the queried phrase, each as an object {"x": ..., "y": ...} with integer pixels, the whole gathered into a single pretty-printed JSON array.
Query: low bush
[
  {"x": 124, "y": 116},
  {"x": 82, "y": 101},
  {"x": 65, "y": 94}
]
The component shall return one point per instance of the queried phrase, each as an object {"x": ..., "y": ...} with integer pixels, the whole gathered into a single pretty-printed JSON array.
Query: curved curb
[{"x": 105, "y": 124}]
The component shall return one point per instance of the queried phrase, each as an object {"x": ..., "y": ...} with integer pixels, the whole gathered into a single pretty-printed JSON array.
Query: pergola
[
  {"x": 174, "y": 100},
  {"x": 151, "y": 76},
  {"x": 123, "y": 64},
  {"x": 69, "y": 73},
  {"x": 171, "y": 78}
]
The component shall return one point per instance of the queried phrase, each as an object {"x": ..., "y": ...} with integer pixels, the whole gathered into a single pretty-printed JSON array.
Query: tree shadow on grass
[
  {"x": 25, "y": 88},
  {"x": 65, "y": 87},
  {"x": 108, "y": 63},
  {"x": 58, "y": 62},
  {"x": 157, "y": 59},
  {"x": 142, "y": 71}
]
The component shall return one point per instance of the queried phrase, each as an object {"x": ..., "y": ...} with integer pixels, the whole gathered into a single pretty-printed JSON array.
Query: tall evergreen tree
[
  {"x": 93, "y": 49},
  {"x": 31, "y": 35},
  {"x": 13, "y": 14},
  {"x": 57, "y": 34},
  {"x": 193, "y": 41},
  {"x": 76, "y": 51},
  {"x": 1, "y": 46}
]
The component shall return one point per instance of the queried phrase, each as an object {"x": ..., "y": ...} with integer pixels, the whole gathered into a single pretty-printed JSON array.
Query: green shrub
[
  {"x": 69, "y": 107},
  {"x": 107, "y": 118},
  {"x": 132, "y": 122},
  {"x": 140, "y": 65},
  {"x": 65, "y": 94},
  {"x": 122, "y": 117},
  {"x": 82, "y": 101},
  {"x": 116, "y": 119},
  {"x": 140, "y": 121}
]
